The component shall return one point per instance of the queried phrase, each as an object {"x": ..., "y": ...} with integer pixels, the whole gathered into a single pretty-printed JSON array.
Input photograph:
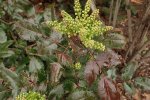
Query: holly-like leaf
[
  {"x": 11, "y": 77},
  {"x": 5, "y": 45},
  {"x": 144, "y": 82},
  {"x": 129, "y": 71},
  {"x": 57, "y": 91},
  {"x": 29, "y": 35},
  {"x": 93, "y": 67},
  {"x": 109, "y": 58},
  {"x": 55, "y": 69},
  {"x": 3, "y": 37},
  {"x": 6, "y": 53},
  {"x": 107, "y": 90},
  {"x": 129, "y": 89},
  {"x": 35, "y": 65},
  {"x": 82, "y": 95},
  {"x": 63, "y": 58},
  {"x": 56, "y": 37},
  {"x": 28, "y": 31},
  {"x": 91, "y": 71},
  {"x": 115, "y": 41}
]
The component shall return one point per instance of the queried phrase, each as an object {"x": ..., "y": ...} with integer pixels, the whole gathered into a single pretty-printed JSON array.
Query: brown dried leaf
[{"x": 107, "y": 90}]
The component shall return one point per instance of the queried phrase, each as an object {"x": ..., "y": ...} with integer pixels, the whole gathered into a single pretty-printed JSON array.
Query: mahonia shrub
[
  {"x": 30, "y": 96},
  {"x": 85, "y": 26}
]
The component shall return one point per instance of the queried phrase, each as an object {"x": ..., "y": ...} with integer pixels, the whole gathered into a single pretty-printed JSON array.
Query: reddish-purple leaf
[
  {"x": 108, "y": 58},
  {"x": 91, "y": 71},
  {"x": 93, "y": 67},
  {"x": 64, "y": 58},
  {"x": 107, "y": 90},
  {"x": 55, "y": 69}
]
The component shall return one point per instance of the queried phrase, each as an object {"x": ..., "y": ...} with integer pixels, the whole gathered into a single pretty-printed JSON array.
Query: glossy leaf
[
  {"x": 55, "y": 71},
  {"x": 115, "y": 40},
  {"x": 107, "y": 90},
  {"x": 91, "y": 71},
  {"x": 82, "y": 95},
  {"x": 93, "y": 67},
  {"x": 3, "y": 37},
  {"x": 11, "y": 77},
  {"x": 129, "y": 89},
  {"x": 144, "y": 82},
  {"x": 64, "y": 58},
  {"x": 129, "y": 71},
  {"x": 34, "y": 65},
  {"x": 6, "y": 53},
  {"x": 57, "y": 91}
]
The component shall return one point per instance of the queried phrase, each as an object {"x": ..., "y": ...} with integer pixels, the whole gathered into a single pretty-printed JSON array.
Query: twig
[
  {"x": 147, "y": 14},
  {"x": 139, "y": 51},
  {"x": 118, "y": 2},
  {"x": 111, "y": 11},
  {"x": 129, "y": 20},
  {"x": 142, "y": 38}
]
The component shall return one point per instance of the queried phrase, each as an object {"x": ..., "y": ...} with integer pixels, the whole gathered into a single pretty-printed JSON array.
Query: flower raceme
[
  {"x": 30, "y": 96},
  {"x": 85, "y": 26}
]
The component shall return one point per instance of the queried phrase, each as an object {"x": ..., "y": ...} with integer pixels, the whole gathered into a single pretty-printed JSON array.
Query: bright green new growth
[
  {"x": 30, "y": 96},
  {"x": 83, "y": 25}
]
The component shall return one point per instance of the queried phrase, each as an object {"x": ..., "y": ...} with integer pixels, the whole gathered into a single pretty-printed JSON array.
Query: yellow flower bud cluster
[
  {"x": 30, "y": 96},
  {"x": 86, "y": 26},
  {"x": 86, "y": 9},
  {"x": 77, "y": 65},
  {"x": 77, "y": 8}
]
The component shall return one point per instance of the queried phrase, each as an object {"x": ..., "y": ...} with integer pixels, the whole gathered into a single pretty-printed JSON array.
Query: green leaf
[
  {"x": 143, "y": 82},
  {"x": 30, "y": 11},
  {"x": 129, "y": 71},
  {"x": 6, "y": 53},
  {"x": 57, "y": 91},
  {"x": 10, "y": 77},
  {"x": 3, "y": 37},
  {"x": 115, "y": 40},
  {"x": 29, "y": 35},
  {"x": 5, "y": 45},
  {"x": 82, "y": 95},
  {"x": 35, "y": 65},
  {"x": 128, "y": 88},
  {"x": 2, "y": 95},
  {"x": 28, "y": 31},
  {"x": 107, "y": 89},
  {"x": 111, "y": 73}
]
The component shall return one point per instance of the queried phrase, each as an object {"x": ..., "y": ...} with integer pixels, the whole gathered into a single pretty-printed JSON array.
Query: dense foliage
[{"x": 54, "y": 51}]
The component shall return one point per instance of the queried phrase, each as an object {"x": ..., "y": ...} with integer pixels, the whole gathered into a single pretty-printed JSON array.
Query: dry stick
[
  {"x": 129, "y": 20},
  {"x": 140, "y": 28},
  {"x": 111, "y": 11},
  {"x": 139, "y": 51},
  {"x": 53, "y": 12},
  {"x": 147, "y": 13},
  {"x": 131, "y": 47},
  {"x": 118, "y": 2},
  {"x": 93, "y": 6},
  {"x": 143, "y": 36}
]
